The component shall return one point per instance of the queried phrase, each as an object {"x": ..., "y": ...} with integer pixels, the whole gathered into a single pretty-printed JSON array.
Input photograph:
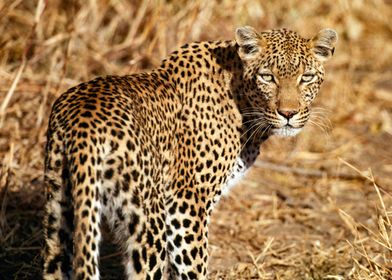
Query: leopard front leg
[{"x": 187, "y": 234}]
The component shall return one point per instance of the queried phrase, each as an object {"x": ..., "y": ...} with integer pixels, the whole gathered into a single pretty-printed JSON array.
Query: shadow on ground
[{"x": 22, "y": 239}]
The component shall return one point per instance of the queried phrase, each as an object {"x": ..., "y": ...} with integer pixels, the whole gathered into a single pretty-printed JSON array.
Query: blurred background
[{"x": 317, "y": 206}]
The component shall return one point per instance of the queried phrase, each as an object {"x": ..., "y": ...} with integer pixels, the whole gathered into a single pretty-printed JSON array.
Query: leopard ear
[
  {"x": 249, "y": 42},
  {"x": 323, "y": 44}
]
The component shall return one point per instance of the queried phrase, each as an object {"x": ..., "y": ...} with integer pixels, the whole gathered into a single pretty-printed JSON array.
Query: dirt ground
[{"x": 317, "y": 206}]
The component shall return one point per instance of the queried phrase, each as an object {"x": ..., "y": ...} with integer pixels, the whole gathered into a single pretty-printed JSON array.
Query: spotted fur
[{"x": 151, "y": 153}]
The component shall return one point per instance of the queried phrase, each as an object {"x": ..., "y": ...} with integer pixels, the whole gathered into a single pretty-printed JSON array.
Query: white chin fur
[{"x": 286, "y": 131}]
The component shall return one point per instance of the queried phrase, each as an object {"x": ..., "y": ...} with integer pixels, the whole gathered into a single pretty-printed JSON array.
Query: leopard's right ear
[
  {"x": 323, "y": 44},
  {"x": 249, "y": 42}
]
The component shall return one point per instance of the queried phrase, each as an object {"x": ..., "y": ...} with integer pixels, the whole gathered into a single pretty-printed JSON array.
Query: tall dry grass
[{"x": 314, "y": 207}]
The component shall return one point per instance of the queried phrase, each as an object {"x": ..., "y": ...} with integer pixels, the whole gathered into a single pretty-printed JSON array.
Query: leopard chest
[
  {"x": 238, "y": 171},
  {"x": 241, "y": 166}
]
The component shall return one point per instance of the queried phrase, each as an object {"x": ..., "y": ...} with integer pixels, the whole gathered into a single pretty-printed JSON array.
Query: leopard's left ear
[
  {"x": 323, "y": 44},
  {"x": 249, "y": 42}
]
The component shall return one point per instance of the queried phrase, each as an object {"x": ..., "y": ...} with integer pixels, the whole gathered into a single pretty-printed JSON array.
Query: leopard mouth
[{"x": 286, "y": 131}]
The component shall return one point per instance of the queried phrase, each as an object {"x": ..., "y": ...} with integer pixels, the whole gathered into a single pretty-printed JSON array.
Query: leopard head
[{"x": 285, "y": 72}]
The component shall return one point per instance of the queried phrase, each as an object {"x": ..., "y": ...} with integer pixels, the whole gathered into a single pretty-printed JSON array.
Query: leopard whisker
[
  {"x": 247, "y": 140},
  {"x": 259, "y": 125},
  {"x": 323, "y": 129},
  {"x": 252, "y": 113},
  {"x": 251, "y": 127},
  {"x": 321, "y": 109},
  {"x": 253, "y": 120},
  {"x": 322, "y": 121},
  {"x": 265, "y": 130}
]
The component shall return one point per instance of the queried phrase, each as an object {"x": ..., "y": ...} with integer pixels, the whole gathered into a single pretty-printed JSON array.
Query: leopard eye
[
  {"x": 267, "y": 78},
  {"x": 307, "y": 78}
]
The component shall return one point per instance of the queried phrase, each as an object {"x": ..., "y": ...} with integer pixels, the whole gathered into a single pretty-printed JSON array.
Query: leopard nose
[{"x": 287, "y": 113}]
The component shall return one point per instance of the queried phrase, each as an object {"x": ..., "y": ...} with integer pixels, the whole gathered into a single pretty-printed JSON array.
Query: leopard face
[{"x": 286, "y": 72}]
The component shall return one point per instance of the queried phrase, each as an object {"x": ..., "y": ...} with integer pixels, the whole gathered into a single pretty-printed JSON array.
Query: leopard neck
[{"x": 218, "y": 63}]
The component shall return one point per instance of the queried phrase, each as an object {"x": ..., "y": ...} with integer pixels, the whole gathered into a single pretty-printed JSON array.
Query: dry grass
[{"x": 315, "y": 207}]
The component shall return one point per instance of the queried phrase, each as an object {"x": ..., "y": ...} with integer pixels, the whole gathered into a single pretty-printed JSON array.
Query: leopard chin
[{"x": 286, "y": 131}]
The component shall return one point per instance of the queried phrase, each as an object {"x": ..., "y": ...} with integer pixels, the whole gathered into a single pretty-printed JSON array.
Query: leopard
[{"x": 150, "y": 154}]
